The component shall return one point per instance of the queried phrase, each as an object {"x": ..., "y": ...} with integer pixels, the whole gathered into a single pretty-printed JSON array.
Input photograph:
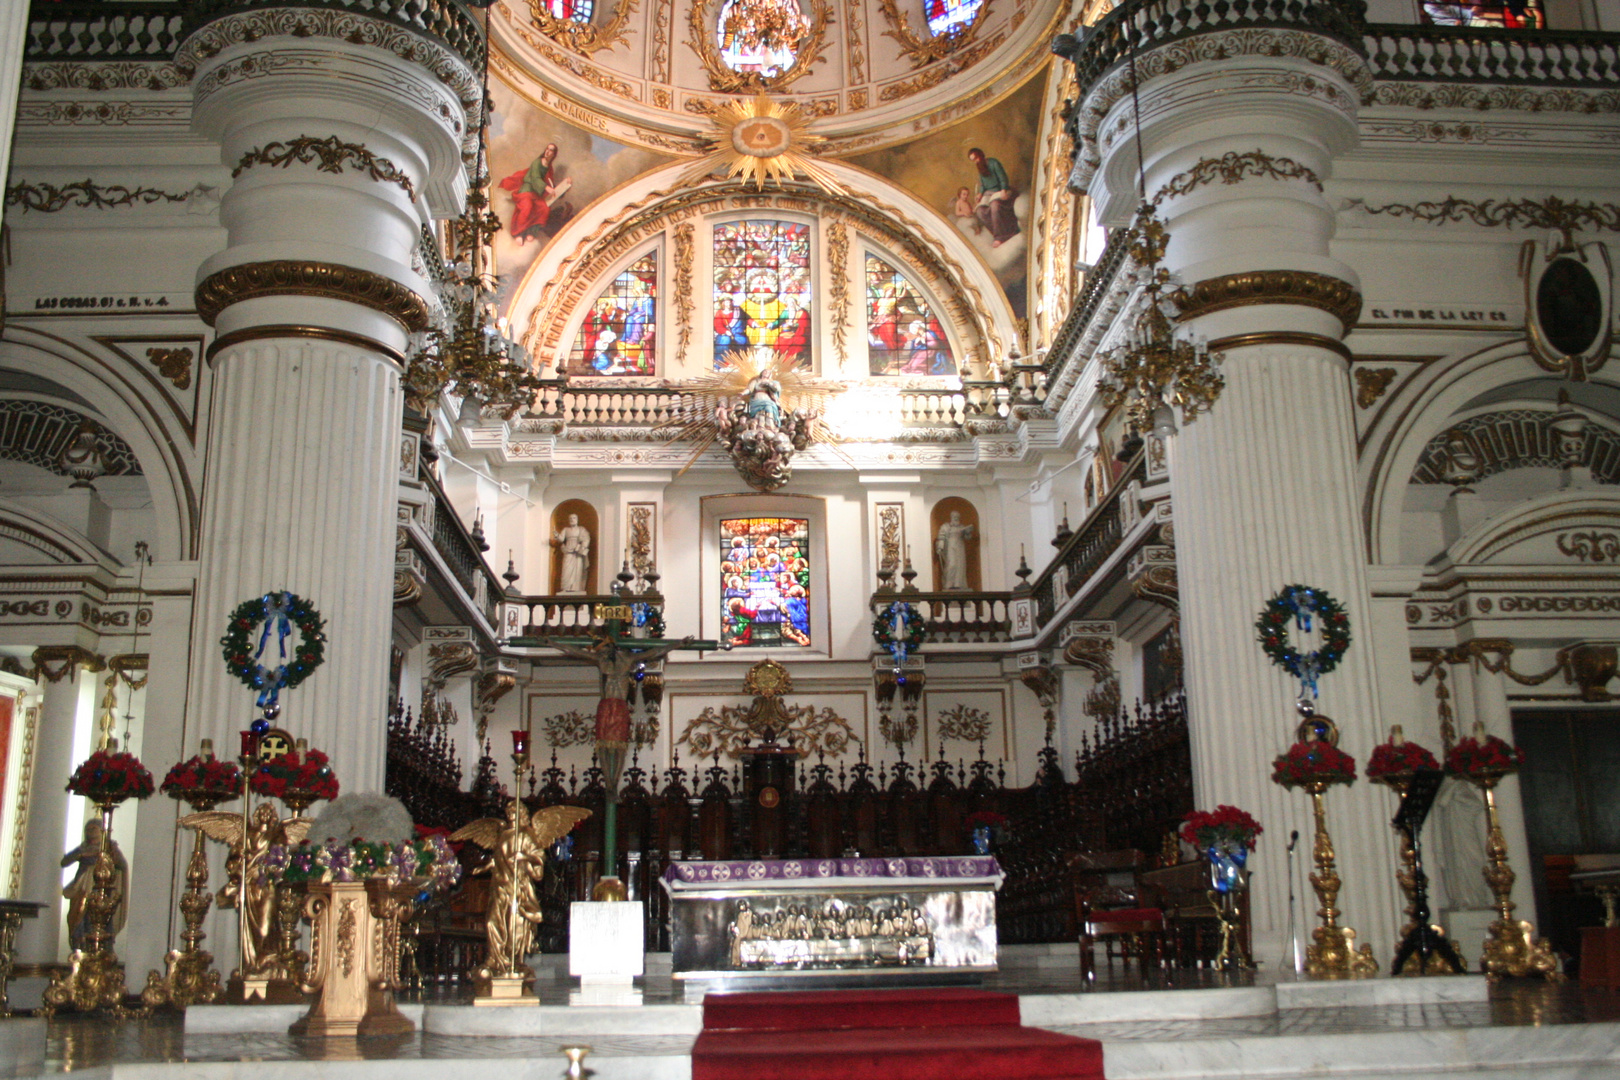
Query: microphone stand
[{"x": 1294, "y": 958}]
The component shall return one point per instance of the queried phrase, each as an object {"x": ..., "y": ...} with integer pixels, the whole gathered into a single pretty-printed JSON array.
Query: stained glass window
[
  {"x": 619, "y": 334},
  {"x": 761, "y": 35},
  {"x": 572, "y": 10},
  {"x": 765, "y": 581},
  {"x": 950, "y": 16},
  {"x": 762, "y": 289},
  {"x": 1511, "y": 14},
  {"x": 902, "y": 335}
]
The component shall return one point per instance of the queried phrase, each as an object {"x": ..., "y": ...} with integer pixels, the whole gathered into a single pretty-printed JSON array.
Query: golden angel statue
[
  {"x": 519, "y": 844},
  {"x": 264, "y": 957}
]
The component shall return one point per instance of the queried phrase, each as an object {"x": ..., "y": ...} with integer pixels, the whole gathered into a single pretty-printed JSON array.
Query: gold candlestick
[
  {"x": 1334, "y": 954},
  {"x": 1511, "y": 947}
]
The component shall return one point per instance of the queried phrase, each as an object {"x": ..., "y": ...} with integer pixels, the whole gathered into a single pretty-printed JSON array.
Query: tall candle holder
[
  {"x": 202, "y": 783},
  {"x": 1511, "y": 947}
]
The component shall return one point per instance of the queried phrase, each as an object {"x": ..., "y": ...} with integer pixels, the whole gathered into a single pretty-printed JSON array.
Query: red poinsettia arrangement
[
  {"x": 110, "y": 776},
  {"x": 989, "y": 819},
  {"x": 1224, "y": 827},
  {"x": 1475, "y": 758},
  {"x": 1313, "y": 762},
  {"x": 1399, "y": 759},
  {"x": 205, "y": 776},
  {"x": 307, "y": 773}
]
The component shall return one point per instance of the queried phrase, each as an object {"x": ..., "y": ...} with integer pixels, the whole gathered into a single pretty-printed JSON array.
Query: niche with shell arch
[
  {"x": 940, "y": 515},
  {"x": 587, "y": 520}
]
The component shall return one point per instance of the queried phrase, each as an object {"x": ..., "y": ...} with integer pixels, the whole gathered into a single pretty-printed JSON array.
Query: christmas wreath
[
  {"x": 278, "y": 611},
  {"x": 111, "y": 777},
  {"x": 903, "y": 617},
  {"x": 1302, "y": 604}
]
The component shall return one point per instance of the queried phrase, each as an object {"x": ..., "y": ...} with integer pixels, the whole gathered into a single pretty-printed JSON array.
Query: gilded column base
[
  {"x": 262, "y": 990},
  {"x": 93, "y": 981},
  {"x": 506, "y": 990},
  {"x": 1512, "y": 949},
  {"x": 1335, "y": 956},
  {"x": 190, "y": 980}
]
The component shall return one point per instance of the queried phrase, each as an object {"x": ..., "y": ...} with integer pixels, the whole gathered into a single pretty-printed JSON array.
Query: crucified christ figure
[{"x": 616, "y": 661}]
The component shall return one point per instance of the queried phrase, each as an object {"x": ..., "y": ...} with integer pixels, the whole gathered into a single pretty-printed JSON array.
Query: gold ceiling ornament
[
  {"x": 761, "y": 142},
  {"x": 808, "y": 44},
  {"x": 925, "y": 49},
  {"x": 584, "y": 38},
  {"x": 1155, "y": 372},
  {"x": 760, "y": 409}
]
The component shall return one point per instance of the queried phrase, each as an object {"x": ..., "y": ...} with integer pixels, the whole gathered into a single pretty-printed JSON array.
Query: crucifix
[{"x": 619, "y": 656}]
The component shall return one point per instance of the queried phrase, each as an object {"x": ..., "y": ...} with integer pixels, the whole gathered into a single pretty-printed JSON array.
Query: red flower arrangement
[
  {"x": 1313, "y": 762},
  {"x": 309, "y": 773},
  {"x": 205, "y": 775},
  {"x": 1472, "y": 759},
  {"x": 111, "y": 777},
  {"x": 1223, "y": 827},
  {"x": 1398, "y": 759},
  {"x": 987, "y": 818}
]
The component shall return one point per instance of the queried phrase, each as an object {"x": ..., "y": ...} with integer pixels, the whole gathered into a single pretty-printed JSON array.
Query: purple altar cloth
[{"x": 955, "y": 866}]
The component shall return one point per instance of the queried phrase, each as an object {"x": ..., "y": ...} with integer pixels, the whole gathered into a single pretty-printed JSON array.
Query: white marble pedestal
[{"x": 605, "y": 950}]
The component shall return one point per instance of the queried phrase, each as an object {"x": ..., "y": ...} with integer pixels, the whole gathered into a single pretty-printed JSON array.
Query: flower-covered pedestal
[
  {"x": 1225, "y": 836},
  {"x": 95, "y": 976},
  {"x": 202, "y": 783},
  {"x": 1315, "y": 763},
  {"x": 357, "y": 896},
  {"x": 1511, "y": 947},
  {"x": 1414, "y": 775}
]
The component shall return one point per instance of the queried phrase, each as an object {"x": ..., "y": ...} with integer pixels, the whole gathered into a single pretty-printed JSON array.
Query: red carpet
[{"x": 882, "y": 1035}]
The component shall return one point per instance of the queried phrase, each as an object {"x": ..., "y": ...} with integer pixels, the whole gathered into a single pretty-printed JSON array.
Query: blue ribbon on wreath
[{"x": 276, "y": 615}]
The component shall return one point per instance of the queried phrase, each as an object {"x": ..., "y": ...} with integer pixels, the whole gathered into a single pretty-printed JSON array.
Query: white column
[
  {"x": 1491, "y": 709},
  {"x": 40, "y": 940},
  {"x": 13, "y": 39}
]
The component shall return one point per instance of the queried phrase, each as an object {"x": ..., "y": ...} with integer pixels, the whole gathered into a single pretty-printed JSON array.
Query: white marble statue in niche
[
  {"x": 950, "y": 546},
  {"x": 574, "y": 548}
]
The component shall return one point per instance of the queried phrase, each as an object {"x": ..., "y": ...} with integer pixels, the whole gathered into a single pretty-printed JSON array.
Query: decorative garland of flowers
[
  {"x": 428, "y": 860},
  {"x": 1399, "y": 759},
  {"x": 1313, "y": 762},
  {"x": 1225, "y": 827},
  {"x": 1300, "y": 604},
  {"x": 278, "y": 611},
  {"x": 915, "y": 630},
  {"x": 203, "y": 775},
  {"x": 649, "y": 617},
  {"x": 1473, "y": 759},
  {"x": 309, "y": 774},
  {"x": 111, "y": 777}
]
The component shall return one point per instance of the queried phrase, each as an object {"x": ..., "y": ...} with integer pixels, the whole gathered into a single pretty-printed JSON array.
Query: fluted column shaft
[{"x": 39, "y": 940}]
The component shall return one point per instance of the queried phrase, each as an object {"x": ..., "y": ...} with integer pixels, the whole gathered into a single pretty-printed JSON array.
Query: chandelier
[{"x": 1155, "y": 371}]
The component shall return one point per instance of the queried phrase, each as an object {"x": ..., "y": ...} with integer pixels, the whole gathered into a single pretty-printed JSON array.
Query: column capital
[
  {"x": 1337, "y": 297},
  {"x": 55, "y": 662}
]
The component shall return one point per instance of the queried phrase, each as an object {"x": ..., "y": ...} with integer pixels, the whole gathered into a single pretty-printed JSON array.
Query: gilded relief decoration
[
  {"x": 663, "y": 23},
  {"x": 583, "y": 37},
  {"x": 838, "y": 287},
  {"x": 855, "y": 47},
  {"x": 731, "y": 728},
  {"x": 1565, "y": 216},
  {"x": 684, "y": 253},
  {"x": 572, "y": 728},
  {"x": 329, "y": 155},
  {"x": 925, "y": 49},
  {"x": 643, "y": 525},
  {"x": 86, "y": 195},
  {"x": 1234, "y": 168},
  {"x": 1594, "y": 546},
  {"x": 804, "y": 39},
  {"x": 1337, "y": 297},
  {"x": 963, "y": 723},
  {"x": 885, "y": 931},
  {"x": 1372, "y": 384},
  {"x": 891, "y": 521},
  {"x": 290, "y": 277},
  {"x": 761, "y": 141},
  {"x": 172, "y": 364}
]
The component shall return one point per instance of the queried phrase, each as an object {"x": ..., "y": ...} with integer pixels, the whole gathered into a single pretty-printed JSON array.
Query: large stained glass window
[
  {"x": 902, "y": 335},
  {"x": 762, "y": 289},
  {"x": 761, "y": 35},
  {"x": 619, "y": 335},
  {"x": 950, "y": 16},
  {"x": 1510, "y": 14},
  {"x": 571, "y": 10},
  {"x": 764, "y": 581}
]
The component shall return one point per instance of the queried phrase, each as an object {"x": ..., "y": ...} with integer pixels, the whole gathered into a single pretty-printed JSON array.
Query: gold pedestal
[
  {"x": 190, "y": 978},
  {"x": 507, "y": 990},
  {"x": 1334, "y": 954},
  {"x": 1511, "y": 947},
  {"x": 354, "y": 962}
]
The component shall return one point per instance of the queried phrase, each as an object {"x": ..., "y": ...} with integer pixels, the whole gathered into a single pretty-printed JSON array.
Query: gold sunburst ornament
[{"x": 762, "y": 141}]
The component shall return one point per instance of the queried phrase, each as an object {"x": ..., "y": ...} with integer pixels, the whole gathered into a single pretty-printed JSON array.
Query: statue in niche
[
  {"x": 574, "y": 546},
  {"x": 950, "y": 546}
]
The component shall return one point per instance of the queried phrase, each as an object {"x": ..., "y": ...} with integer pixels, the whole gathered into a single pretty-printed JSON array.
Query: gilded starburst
[{"x": 762, "y": 141}]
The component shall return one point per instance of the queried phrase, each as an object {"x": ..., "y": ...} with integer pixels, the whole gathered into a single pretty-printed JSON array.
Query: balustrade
[
  {"x": 1462, "y": 54},
  {"x": 123, "y": 31}
]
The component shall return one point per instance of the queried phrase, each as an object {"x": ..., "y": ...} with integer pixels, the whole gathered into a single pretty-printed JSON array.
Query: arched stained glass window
[
  {"x": 619, "y": 335},
  {"x": 762, "y": 289},
  {"x": 950, "y": 16},
  {"x": 760, "y": 35},
  {"x": 579, "y": 11},
  {"x": 902, "y": 335}
]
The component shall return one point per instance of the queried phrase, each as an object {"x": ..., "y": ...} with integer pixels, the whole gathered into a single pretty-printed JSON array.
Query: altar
[{"x": 797, "y": 921}]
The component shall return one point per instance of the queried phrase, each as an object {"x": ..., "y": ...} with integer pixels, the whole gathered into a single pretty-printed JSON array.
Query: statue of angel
[
  {"x": 245, "y": 880},
  {"x": 519, "y": 845}
]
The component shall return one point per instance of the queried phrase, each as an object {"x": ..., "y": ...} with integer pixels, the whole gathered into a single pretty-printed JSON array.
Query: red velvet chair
[{"x": 1109, "y": 905}]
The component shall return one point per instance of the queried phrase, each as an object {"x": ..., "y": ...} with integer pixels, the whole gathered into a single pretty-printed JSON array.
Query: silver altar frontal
[{"x": 785, "y": 921}]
